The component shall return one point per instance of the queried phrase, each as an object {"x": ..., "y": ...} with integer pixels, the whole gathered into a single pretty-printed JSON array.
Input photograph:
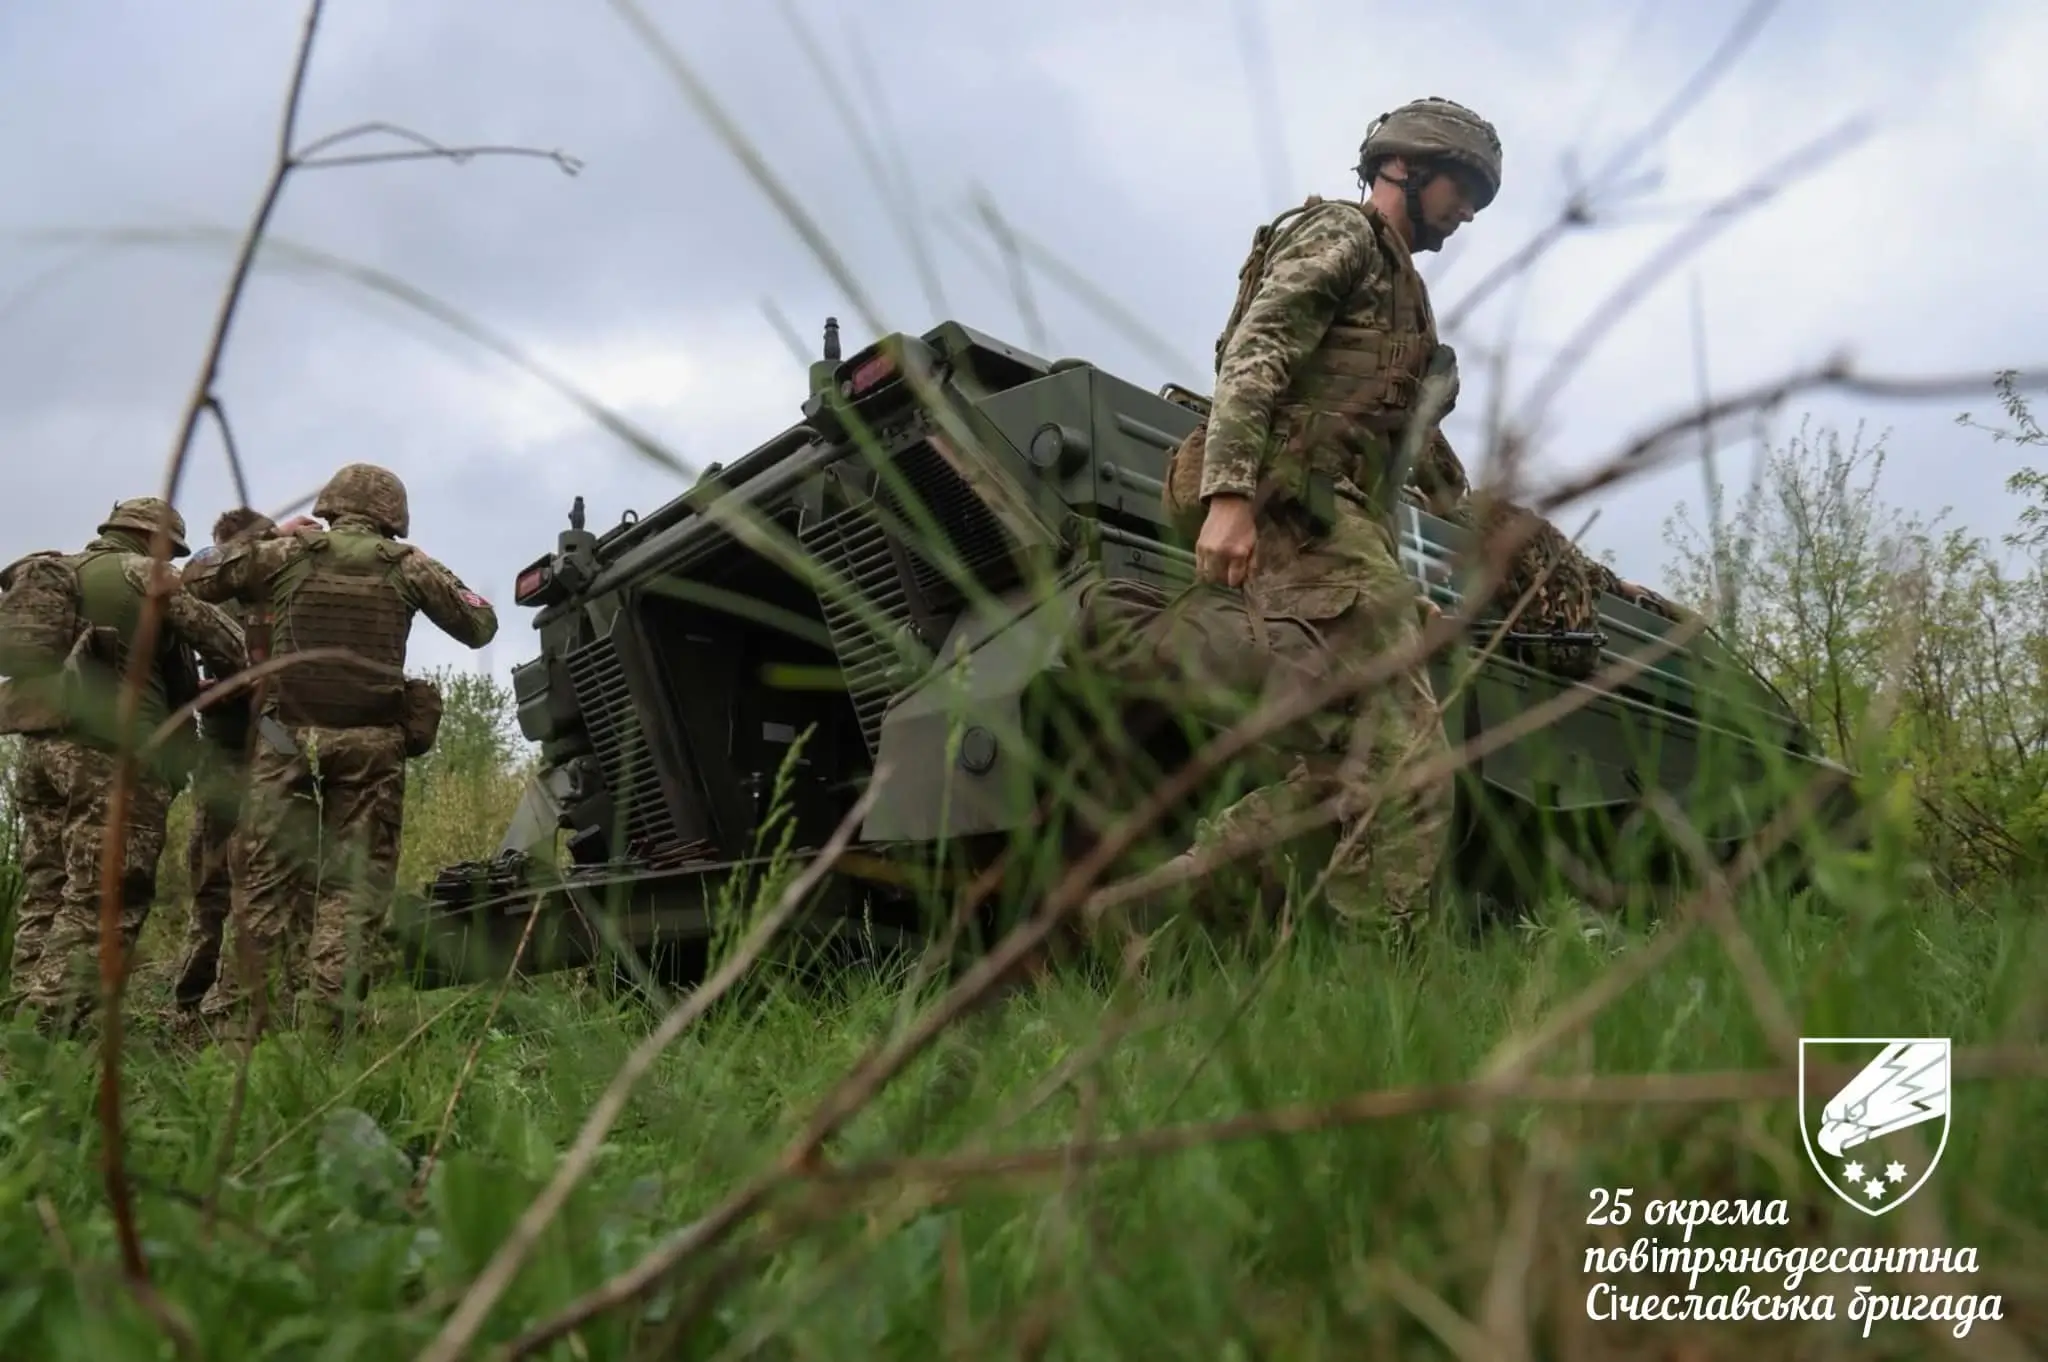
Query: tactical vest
[
  {"x": 341, "y": 592},
  {"x": 1352, "y": 393}
]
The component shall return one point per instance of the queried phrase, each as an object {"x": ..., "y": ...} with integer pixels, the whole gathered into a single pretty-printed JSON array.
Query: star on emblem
[
  {"x": 1896, "y": 1172},
  {"x": 1873, "y": 1189},
  {"x": 1853, "y": 1172}
]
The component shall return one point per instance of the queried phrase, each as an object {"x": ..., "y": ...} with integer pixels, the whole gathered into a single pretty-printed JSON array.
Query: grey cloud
[{"x": 1083, "y": 123}]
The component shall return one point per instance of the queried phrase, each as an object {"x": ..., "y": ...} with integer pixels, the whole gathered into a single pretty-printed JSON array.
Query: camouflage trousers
[
  {"x": 63, "y": 791},
  {"x": 313, "y": 869},
  {"x": 217, "y": 802},
  {"x": 1349, "y": 584}
]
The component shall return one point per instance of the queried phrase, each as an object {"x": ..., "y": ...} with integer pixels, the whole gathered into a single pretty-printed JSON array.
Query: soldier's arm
[
  {"x": 457, "y": 611},
  {"x": 211, "y": 632},
  {"x": 204, "y": 627},
  {"x": 1309, "y": 273},
  {"x": 241, "y": 572}
]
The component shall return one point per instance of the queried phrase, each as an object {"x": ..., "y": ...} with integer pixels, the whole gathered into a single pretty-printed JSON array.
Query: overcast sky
[{"x": 1133, "y": 140}]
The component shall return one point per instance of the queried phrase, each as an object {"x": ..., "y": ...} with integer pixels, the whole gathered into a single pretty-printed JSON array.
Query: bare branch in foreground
[
  {"x": 424, "y": 148},
  {"x": 143, "y": 648},
  {"x": 1600, "y": 1090},
  {"x": 114, "y": 843}
]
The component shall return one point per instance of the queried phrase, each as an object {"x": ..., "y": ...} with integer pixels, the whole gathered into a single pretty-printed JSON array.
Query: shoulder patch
[{"x": 471, "y": 599}]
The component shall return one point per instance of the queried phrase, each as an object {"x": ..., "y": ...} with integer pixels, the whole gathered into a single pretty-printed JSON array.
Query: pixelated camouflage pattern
[
  {"x": 38, "y": 796},
  {"x": 144, "y": 515},
  {"x": 219, "y": 793},
  {"x": 1435, "y": 128},
  {"x": 39, "y": 621},
  {"x": 344, "y": 591},
  {"x": 1349, "y": 584},
  {"x": 317, "y": 847},
  {"x": 99, "y": 602},
  {"x": 67, "y": 788},
  {"x": 313, "y": 872},
  {"x": 1322, "y": 365},
  {"x": 367, "y": 491},
  {"x": 249, "y": 571}
]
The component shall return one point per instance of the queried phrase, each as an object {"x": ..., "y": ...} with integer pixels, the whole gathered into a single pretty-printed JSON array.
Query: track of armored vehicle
[{"x": 889, "y": 583}]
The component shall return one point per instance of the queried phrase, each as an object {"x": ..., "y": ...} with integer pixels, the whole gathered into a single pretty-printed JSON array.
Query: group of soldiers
[
  {"x": 1330, "y": 386},
  {"x": 272, "y": 686}
]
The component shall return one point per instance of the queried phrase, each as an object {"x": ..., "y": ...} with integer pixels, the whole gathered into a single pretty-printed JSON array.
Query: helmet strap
[{"x": 1420, "y": 237}]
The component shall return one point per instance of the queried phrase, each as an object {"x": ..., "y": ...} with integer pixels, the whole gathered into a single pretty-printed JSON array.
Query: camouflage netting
[{"x": 1566, "y": 582}]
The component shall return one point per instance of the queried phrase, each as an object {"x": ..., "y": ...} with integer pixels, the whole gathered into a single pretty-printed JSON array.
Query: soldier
[
  {"x": 218, "y": 793},
  {"x": 1318, "y": 372},
  {"x": 64, "y": 699},
  {"x": 327, "y": 776}
]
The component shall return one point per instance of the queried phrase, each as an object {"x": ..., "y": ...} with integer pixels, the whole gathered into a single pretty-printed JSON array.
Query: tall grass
[{"x": 1279, "y": 1142}]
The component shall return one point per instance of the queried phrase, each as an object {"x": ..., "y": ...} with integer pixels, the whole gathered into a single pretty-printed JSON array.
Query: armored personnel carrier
[{"x": 890, "y": 584}]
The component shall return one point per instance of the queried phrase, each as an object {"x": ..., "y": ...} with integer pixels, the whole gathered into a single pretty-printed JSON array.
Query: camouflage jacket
[
  {"x": 274, "y": 571},
  {"x": 1322, "y": 357},
  {"x": 114, "y": 572}
]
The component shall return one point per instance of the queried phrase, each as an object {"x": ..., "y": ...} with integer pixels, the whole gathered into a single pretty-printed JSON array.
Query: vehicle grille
[
  {"x": 875, "y": 632},
  {"x": 972, "y": 532},
  {"x": 867, "y": 612},
  {"x": 613, "y": 722}
]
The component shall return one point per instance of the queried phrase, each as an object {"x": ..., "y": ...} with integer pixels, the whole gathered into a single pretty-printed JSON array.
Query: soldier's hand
[
  {"x": 1223, "y": 550},
  {"x": 295, "y": 524}
]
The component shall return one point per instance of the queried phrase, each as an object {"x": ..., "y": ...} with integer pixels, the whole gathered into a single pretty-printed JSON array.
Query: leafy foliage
[{"x": 1830, "y": 589}]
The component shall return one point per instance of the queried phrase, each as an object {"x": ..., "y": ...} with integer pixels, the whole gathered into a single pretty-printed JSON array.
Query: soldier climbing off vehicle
[
  {"x": 1328, "y": 370},
  {"x": 319, "y": 842},
  {"x": 68, "y": 624}
]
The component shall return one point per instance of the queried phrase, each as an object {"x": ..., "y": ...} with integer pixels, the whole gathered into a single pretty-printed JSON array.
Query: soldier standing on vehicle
[
  {"x": 1318, "y": 371},
  {"x": 66, "y": 630},
  {"x": 319, "y": 842},
  {"x": 218, "y": 790}
]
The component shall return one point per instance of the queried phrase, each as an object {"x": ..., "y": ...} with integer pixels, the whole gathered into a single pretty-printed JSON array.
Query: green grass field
[{"x": 1352, "y": 1234}]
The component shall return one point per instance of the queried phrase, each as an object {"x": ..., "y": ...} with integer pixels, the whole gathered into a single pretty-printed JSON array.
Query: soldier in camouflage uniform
[
  {"x": 319, "y": 841},
  {"x": 218, "y": 790},
  {"x": 67, "y": 714},
  {"x": 1318, "y": 370}
]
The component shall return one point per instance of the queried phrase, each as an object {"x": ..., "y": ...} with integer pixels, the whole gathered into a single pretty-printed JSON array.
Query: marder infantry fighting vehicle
[{"x": 888, "y": 583}]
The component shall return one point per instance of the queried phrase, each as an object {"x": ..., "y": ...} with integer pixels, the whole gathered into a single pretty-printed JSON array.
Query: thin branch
[
  {"x": 1579, "y": 210},
  {"x": 1595, "y": 1090},
  {"x": 219, "y": 413},
  {"x": 142, "y": 651},
  {"x": 424, "y": 148},
  {"x": 1631, "y": 290},
  {"x": 143, "y": 646}
]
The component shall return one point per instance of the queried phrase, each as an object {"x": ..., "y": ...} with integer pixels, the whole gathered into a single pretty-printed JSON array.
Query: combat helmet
[
  {"x": 366, "y": 490},
  {"x": 145, "y": 516},
  {"x": 1428, "y": 132}
]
